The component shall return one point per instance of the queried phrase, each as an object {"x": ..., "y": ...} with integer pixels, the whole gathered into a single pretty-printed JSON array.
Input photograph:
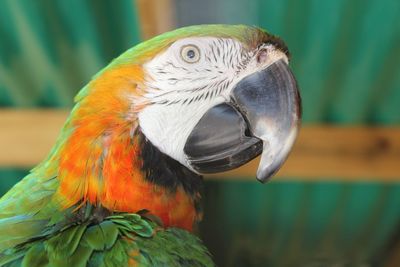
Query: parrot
[{"x": 122, "y": 184}]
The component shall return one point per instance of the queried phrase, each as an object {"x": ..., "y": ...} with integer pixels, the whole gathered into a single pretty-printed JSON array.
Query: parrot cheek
[{"x": 262, "y": 117}]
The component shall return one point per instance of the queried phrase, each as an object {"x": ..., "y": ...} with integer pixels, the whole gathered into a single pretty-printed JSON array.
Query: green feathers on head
[{"x": 148, "y": 49}]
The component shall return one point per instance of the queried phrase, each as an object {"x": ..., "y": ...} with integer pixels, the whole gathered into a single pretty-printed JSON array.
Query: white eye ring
[{"x": 190, "y": 53}]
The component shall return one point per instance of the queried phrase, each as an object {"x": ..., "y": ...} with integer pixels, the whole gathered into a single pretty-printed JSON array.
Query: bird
[{"x": 122, "y": 184}]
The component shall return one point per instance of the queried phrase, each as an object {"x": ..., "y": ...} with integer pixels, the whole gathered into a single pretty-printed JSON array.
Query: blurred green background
[{"x": 346, "y": 57}]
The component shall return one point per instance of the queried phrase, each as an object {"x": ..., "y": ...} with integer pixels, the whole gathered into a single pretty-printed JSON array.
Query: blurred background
[{"x": 336, "y": 202}]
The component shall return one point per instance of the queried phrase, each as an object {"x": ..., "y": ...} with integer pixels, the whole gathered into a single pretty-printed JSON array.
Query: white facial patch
[
  {"x": 183, "y": 82},
  {"x": 171, "y": 77}
]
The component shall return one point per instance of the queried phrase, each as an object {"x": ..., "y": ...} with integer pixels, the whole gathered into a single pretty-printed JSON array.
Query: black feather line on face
[{"x": 164, "y": 171}]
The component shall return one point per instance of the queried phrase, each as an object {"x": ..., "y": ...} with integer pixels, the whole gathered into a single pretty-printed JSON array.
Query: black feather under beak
[{"x": 262, "y": 117}]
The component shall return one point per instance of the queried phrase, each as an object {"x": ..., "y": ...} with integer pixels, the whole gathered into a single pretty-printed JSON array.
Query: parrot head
[
  {"x": 201, "y": 99},
  {"x": 217, "y": 96}
]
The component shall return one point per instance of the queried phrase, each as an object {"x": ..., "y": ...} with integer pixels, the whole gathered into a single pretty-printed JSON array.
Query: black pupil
[{"x": 191, "y": 54}]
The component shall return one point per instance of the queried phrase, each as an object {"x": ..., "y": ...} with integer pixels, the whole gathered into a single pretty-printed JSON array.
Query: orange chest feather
[
  {"x": 113, "y": 178},
  {"x": 100, "y": 161}
]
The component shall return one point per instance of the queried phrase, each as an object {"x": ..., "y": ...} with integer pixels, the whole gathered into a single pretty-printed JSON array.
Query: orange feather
[{"x": 100, "y": 160}]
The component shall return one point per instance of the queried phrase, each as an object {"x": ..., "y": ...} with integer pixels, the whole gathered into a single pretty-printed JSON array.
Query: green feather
[
  {"x": 11, "y": 256},
  {"x": 64, "y": 247},
  {"x": 35, "y": 256},
  {"x": 117, "y": 256},
  {"x": 101, "y": 236},
  {"x": 80, "y": 258},
  {"x": 112, "y": 242}
]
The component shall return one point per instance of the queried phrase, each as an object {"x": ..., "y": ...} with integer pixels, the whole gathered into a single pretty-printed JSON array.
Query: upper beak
[{"x": 270, "y": 102}]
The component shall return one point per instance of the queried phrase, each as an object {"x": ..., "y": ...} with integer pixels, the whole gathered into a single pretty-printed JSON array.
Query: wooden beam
[
  {"x": 155, "y": 16},
  {"x": 322, "y": 152},
  {"x": 26, "y": 136}
]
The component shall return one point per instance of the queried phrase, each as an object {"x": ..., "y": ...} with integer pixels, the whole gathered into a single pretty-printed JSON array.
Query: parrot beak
[
  {"x": 263, "y": 117},
  {"x": 270, "y": 102}
]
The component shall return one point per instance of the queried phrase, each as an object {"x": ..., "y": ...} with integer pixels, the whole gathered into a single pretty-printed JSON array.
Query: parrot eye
[{"x": 190, "y": 53}]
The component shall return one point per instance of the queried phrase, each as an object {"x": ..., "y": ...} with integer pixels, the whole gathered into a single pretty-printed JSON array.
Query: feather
[{"x": 120, "y": 240}]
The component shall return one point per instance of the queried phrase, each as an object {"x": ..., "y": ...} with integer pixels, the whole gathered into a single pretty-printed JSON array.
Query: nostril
[{"x": 262, "y": 56}]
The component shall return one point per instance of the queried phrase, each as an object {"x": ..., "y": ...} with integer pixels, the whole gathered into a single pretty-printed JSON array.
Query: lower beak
[{"x": 270, "y": 102}]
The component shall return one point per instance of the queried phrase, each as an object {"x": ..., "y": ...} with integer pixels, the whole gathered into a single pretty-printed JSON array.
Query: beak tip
[
  {"x": 263, "y": 176},
  {"x": 262, "y": 180}
]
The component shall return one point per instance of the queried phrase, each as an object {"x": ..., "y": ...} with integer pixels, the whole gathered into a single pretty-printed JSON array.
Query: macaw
[{"x": 121, "y": 186}]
